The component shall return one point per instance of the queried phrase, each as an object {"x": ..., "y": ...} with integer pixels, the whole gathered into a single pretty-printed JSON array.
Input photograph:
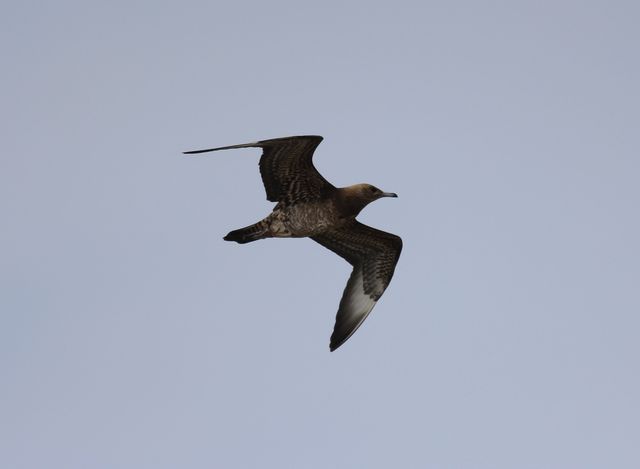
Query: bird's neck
[{"x": 349, "y": 201}]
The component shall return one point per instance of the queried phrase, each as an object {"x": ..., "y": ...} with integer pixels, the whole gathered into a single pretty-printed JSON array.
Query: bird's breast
[{"x": 311, "y": 218}]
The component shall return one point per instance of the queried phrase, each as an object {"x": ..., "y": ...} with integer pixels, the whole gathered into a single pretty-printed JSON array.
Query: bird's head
[
  {"x": 370, "y": 193},
  {"x": 359, "y": 196}
]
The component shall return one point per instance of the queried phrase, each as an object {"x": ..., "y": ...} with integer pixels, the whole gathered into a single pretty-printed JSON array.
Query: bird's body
[
  {"x": 300, "y": 220},
  {"x": 337, "y": 207},
  {"x": 309, "y": 218},
  {"x": 309, "y": 206}
]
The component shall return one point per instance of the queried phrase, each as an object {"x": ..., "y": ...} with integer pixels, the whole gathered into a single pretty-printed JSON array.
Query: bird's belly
[{"x": 309, "y": 219}]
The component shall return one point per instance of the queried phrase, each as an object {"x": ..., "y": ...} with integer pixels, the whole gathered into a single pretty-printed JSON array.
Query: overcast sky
[{"x": 133, "y": 336}]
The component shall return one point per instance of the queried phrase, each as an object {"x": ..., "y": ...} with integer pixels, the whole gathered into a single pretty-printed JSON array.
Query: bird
[{"x": 307, "y": 205}]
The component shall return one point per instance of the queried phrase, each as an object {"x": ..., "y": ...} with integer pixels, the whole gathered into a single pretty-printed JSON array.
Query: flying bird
[{"x": 307, "y": 205}]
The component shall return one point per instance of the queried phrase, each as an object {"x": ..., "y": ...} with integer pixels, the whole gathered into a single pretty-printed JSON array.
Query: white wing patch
[{"x": 355, "y": 306}]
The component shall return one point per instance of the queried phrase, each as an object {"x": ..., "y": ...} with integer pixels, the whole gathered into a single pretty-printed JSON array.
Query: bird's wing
[
  {"x": 374, "y": 255},
  {"x": 287, "y": 168}
]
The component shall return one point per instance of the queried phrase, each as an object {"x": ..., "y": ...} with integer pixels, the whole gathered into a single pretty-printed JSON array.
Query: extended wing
[
  {"x": 374, "y": 255},
  {"x": 287, "y": 169}
]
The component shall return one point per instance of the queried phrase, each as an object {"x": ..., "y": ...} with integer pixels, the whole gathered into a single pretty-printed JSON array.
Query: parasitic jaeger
[{"x": 309, "y": 206}]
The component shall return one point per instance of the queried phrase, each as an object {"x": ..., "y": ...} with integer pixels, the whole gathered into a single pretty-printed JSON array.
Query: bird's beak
[{"x": 389, "y": 194}]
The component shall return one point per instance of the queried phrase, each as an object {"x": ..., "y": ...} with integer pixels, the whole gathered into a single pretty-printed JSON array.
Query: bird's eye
[{"x": 372, "y": 189}]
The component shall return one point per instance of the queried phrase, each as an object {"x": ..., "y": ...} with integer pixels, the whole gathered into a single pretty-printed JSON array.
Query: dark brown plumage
[{"x": 309, "y": 206}]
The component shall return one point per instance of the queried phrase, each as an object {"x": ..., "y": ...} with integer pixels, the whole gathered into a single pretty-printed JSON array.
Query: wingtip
[{"x": 335, "y": 345}]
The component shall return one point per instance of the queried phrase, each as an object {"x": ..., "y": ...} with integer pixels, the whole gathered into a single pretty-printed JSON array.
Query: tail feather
[{"x": 248, "y": 234}]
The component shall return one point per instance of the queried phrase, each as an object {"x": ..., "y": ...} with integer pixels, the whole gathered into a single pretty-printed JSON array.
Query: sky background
[{"x": 133, "y": 336}]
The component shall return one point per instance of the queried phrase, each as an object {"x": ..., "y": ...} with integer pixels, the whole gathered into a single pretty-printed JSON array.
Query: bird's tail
[{"x": 245, "y": 235}]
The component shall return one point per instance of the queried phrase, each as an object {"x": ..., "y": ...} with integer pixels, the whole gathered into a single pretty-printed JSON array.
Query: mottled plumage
[{"x": 309, "y": 206}]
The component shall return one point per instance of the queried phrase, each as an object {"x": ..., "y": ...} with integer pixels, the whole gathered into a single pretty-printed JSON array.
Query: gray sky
[{"x": 133, "y": 336}]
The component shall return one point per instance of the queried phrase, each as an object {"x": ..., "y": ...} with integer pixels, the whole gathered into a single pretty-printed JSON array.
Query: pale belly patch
[{"x": 302, "y": 220}]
